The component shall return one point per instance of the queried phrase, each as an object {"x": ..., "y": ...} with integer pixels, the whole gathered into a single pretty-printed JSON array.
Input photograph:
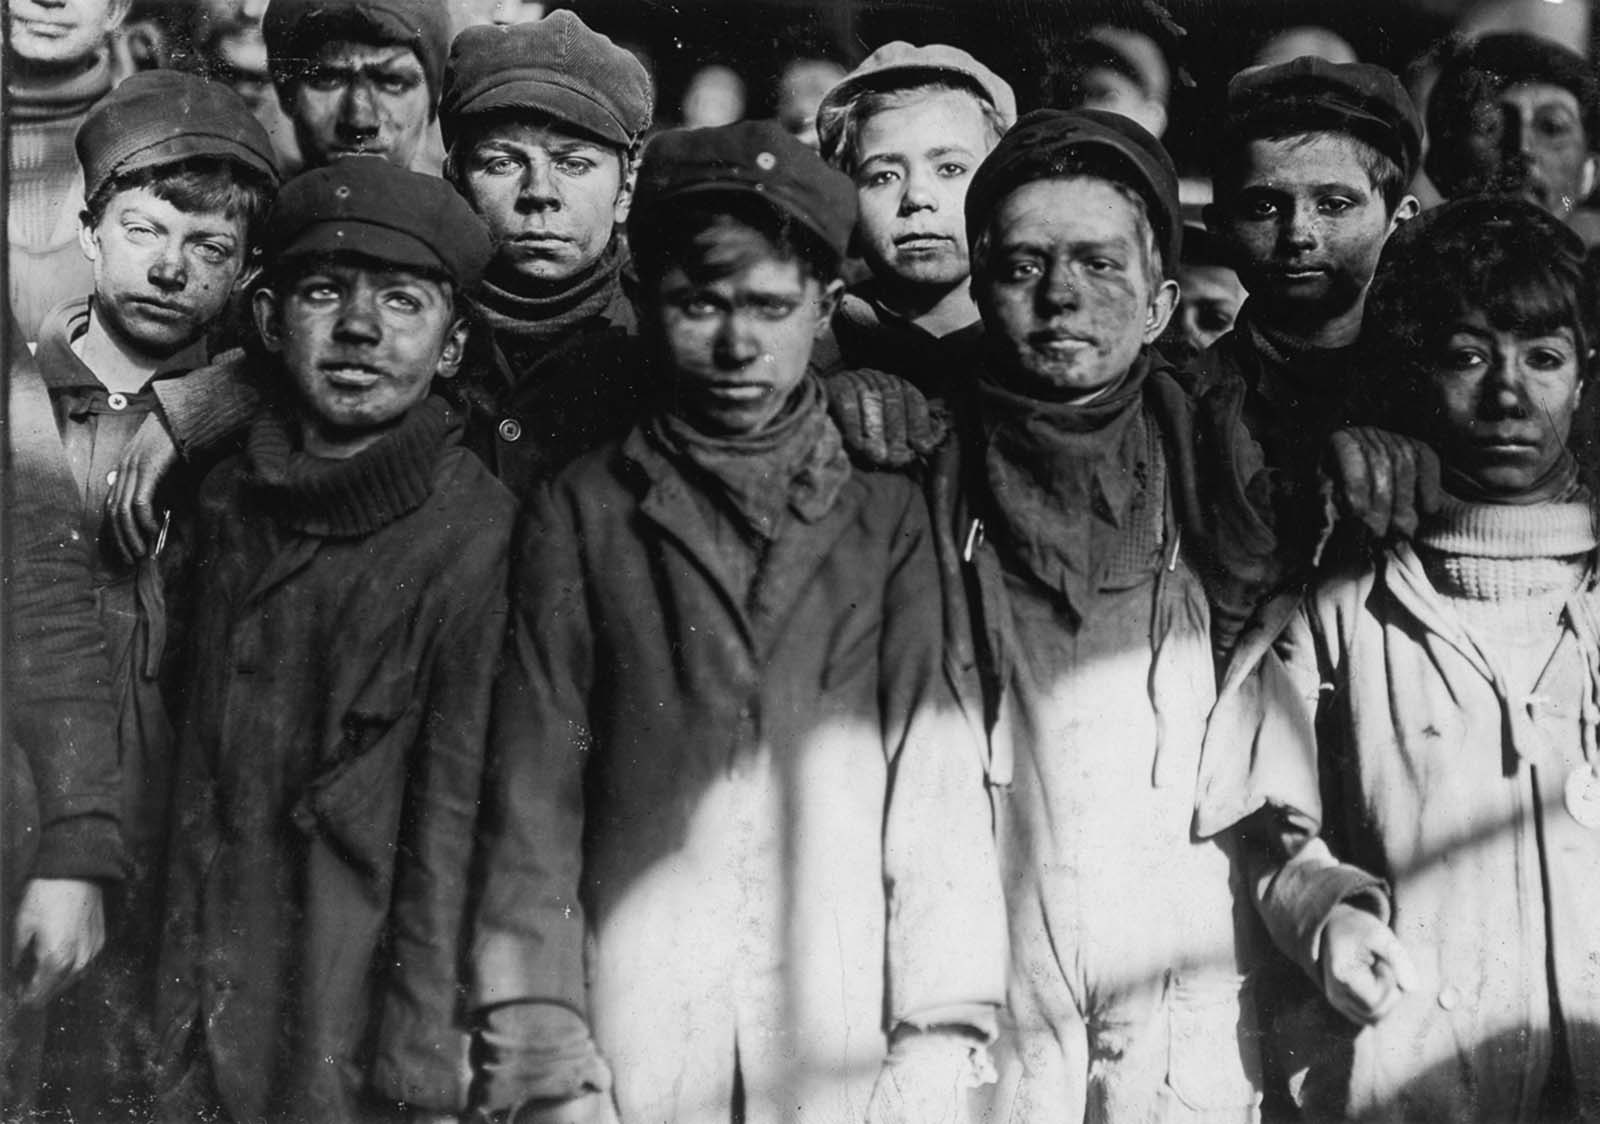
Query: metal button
[
  {"x": 510, "y": 430},
  {"x": 117, "y": 401},
  {"x": 1449, "y": 997},
  {"x": 111, "y": 478}
]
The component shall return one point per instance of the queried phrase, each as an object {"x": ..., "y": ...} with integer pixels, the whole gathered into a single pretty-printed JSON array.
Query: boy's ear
[
  {"x": 269, "y": 326},
  {"x": 827, "y": 301},
  {"x": 87, "y": 242},
  {"x": 1407, "y": 209},
  {"x": 454, "y": 349},
  {"x": 1588, "y": 178},
  {"x": 630, "y": 176},
  {"x": 1163, "y": 303}
]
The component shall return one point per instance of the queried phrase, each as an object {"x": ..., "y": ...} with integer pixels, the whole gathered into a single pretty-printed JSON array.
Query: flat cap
[
  {"x": 757, "y": 158},
  {"x": 1311, "y": 94},
  {"x": 1049, "y": 143},
  {"x": 164, "y": 116},
  {"x": 296, "y": 29},
  {"x": 1483, "y": 69},
  {"x": 367, "y": 206},
  {"x": 900, "y": 64},
  {"x": 555, "y": 66}
]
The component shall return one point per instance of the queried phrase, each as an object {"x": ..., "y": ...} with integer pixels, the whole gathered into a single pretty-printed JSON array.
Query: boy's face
[
  {"x": 1502, "y": 406},
  {"x": 1306, "y": 225},
  {"x": 1531, "y": 142},
  {"x": 161, "y": 275},
  {"x": 1211, "y": 299},
  {"x": 1066, "y": 290},
  {"x": 61, "y": 31},
  {"x": 361, "y": 344},
  {"x": 913, "y": 167},
  {"x": 551, "y": 198},
  {"x": 361, "y": 99},
  {"x": 739, "y": 345}
]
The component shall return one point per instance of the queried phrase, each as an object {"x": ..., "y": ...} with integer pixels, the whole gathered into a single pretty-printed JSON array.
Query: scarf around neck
[
  {"x": 797, "y": 463},
  {"x": 1073, "y": 486},
  {"x": 527, "y": 317},
  {"x": 352, "y": 497}
]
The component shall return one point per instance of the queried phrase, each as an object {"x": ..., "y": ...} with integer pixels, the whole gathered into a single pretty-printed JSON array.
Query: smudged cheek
[{"x": 1114, "y": 309}]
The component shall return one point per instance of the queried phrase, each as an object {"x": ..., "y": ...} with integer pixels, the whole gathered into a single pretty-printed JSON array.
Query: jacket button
[
  {"x": 1449, "y": 997},
  {"x": 510, "y": 429},
  {"x": 117, "y": 401}
]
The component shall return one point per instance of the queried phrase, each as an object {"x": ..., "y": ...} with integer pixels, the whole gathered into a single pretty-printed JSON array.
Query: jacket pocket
[
  {"x": 355, "y": 805},
  {"x": 1212, "y": 1066}
]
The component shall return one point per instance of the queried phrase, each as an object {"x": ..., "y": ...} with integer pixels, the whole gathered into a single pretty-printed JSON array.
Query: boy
[
  {"x": 1310, "y": 180},
  {"x": 740, "y": 835},
  {"x": 1413, "y": 765},
  {"x": 1097, "y": 517},
  {"x": 178, "y": 175},
  {"x": 350, "y": 606}
]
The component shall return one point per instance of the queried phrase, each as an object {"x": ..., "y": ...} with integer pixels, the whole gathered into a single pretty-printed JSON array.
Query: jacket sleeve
[
  {"x": 528, "y": 938},
  {"x": 61, "y": 737},
  {"x": 1295, "y": 878},
  {"x": 211, "y": 403},
  {"x": 946, "y": 950},
  {"x": 421, "y": 1058}
]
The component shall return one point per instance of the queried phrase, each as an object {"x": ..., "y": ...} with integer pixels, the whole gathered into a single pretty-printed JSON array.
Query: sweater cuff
[
  {"x": 204, "y": 407},
  {"x": 88, "y": 848},
  {"x": 536, "y": 1052},
  {"x": 1305, "y": 892},
  {"x": 979, "y": 1020}
]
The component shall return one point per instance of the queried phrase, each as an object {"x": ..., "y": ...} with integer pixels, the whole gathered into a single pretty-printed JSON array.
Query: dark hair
[
  {"x": 201, "y": 183},
  {"x": 1501, "y": 256},
  {"x": 712, "y": 239},
  {"x": 1289, "y": 121}
]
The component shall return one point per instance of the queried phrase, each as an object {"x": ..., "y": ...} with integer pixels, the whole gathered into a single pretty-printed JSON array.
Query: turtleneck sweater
[
  {"x": 47, "y": 187},
  {"x": 1507, "y": 571}
]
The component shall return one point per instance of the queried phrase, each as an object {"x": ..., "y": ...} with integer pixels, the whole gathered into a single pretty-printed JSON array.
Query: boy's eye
[
  {"x": 773, "y": 308},
  {"x": 1464, "y": 359},
  {"x": 393, "y": 84},
  {"x": 1022, "y": 269},
  {"x": 317, "y": 292},
  {"x": 1546, "y": 359},
  {"x": 213, "y": 252},
  {"x": 1259, "y": 208},
  {"x": 326, "y": 81},
  {"x": 699, "y": 306},
  {"x": 880, "y": 178},
  {"x": 402, "y": 301},
  {"x": 138, "y": 232},
  {"x": 575, "y": 165},
  {"x": 1101, "y": 265},
  {"x": 498, "y": 165},
  {"x": 1554, "y": 126},
  {"x": 1335, "y": 205},
  {"x": 952, "y": 170}
]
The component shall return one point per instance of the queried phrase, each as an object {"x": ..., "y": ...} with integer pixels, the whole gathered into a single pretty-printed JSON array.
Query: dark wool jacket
[
  {"x": 863, "y": 335},
  {"x": 62, "y": 791},
  {"x": 349, "y": 620},
  {"x": 1218, "y": 497}
]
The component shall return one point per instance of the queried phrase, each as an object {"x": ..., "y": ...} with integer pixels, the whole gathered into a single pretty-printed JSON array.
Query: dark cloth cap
[
  {"x": 757, "y": 158},
  {"x": 365, "y": 205},
  {"x": 295, "y": 30},
  {"x": 1311, "y": 94},
  {"x": 164, "y": 116},
  {"x": 1048, "y": 143},
  {"x": 555, "y": 66},
  {"x": 1485, "y": 67}
]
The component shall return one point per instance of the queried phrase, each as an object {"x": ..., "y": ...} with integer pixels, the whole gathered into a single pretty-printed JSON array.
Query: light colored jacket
[{"x": 1377, "y": 730}]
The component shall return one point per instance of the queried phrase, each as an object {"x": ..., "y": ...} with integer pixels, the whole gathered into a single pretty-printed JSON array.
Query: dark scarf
[
  {"x": 354, "y": 497},
  {"x": 1075, "y": 488},
  {"x": 797, "y": 463},
  {"x": 1304, "y": 383},
  {"x": 60, "y": 95},
  {"x": 527, "y": 318}
]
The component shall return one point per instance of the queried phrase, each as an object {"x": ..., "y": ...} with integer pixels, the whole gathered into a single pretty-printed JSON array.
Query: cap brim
[
  {"x": 192, "y": 146},
  {"x": 565, "y": 106},
  {"x": 367, "y": 240}
]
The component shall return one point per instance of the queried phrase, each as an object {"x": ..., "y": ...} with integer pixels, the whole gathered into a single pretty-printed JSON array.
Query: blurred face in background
[
  {"x": 715, "y": 97},
  {"x": 60, "y": 32},
  {"x": 1531, "y": 142},
  {"x": 1211, "y": 298}
]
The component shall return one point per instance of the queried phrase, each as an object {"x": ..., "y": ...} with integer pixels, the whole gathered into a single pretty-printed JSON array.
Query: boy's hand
[
  {"x": 590, "y": 1108},
  {"x": 131, "y": 506},
  {"x": 924, "y": 1080},
  {"x": 62, "y": 923},
  {"x": 885, "y": 420},
  {"x": 1383, "y": 479},
  {"x": 1365, "y": 969}
]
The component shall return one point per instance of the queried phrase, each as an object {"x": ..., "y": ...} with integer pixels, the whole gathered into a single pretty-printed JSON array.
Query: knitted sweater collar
[
  {"x": 525, "y": 316},
  {"x": 57, "y": 97},
  {"x": 1506, "y": 552},
  {"x": 354, "y": 497}
]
